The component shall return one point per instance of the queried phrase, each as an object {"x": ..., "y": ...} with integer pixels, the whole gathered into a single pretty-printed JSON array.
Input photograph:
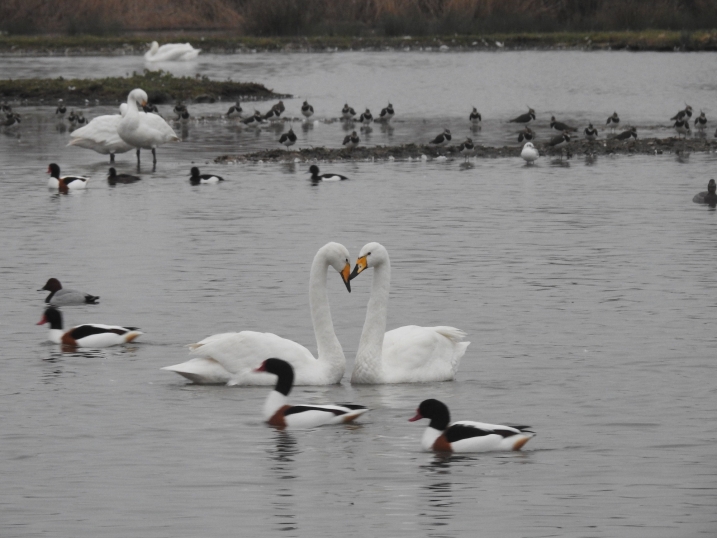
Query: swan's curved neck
[
  {"x": 132, "y": 114},
  {"x": 329, "y": 348},
  {"x": 368, "y": 367}
]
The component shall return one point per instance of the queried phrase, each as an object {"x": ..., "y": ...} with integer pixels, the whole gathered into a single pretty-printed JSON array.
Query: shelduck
[
  {"x": 277, "y": 412},
  {"x": 90, "y": 335},
  {"x": 465, "y": 435},
  {"x": 64, "y": 183}
]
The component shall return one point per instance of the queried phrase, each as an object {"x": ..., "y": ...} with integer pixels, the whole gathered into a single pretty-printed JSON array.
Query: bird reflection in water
[
  {"x": 437, "y": 506},
  {"x": 56, "y": 361},
  {"x": 283, "y": 467}
]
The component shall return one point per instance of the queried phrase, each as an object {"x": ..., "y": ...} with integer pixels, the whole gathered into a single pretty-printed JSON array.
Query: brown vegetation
[{"x": 354, "y": 17}]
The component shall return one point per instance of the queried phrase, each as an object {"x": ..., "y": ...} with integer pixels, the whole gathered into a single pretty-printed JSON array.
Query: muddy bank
[
  {"x": 647, "y": 146},
  {"x": 217, "y": 43},
  {"x": 161, "y": 87}
]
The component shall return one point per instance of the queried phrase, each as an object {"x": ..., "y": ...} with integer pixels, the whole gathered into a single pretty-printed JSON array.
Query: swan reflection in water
[{"x": 283, "y": 467}]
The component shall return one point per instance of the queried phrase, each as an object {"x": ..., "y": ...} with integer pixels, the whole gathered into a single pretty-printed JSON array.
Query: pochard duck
[{"x": 60, "y": 296}]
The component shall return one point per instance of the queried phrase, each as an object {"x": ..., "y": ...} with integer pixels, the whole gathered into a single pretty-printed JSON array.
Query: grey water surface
[{"x": 587, "y": 289}]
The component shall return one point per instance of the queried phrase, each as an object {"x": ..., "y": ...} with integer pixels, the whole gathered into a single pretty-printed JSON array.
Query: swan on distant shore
[
  {"x": 100, "y": 135},
  {"x": 409, "y": 354},
  {"x": 171, "y": 52},
  {"x": 142, "y": 130},
  {"x": 230, "y": 358}
]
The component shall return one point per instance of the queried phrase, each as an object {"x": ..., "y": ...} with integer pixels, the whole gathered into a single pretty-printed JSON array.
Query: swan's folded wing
[
  {"x": 422, "y": 354},
  {"x": 239, "y": 352}
]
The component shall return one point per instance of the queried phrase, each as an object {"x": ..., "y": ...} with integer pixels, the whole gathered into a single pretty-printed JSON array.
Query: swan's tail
[
  {"x": 453, "y": 334},
  {"x": 459, "y": 348}
]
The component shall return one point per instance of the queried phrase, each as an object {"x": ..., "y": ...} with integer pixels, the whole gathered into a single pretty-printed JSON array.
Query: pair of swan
[
  {"x": 171, "y": 52},
  {"x": 408, "y": 354},
  {"x": 112, "y": 133}
]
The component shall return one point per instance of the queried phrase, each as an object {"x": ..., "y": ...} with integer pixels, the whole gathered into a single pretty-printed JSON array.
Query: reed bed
[{"x": 354, "y": 17}]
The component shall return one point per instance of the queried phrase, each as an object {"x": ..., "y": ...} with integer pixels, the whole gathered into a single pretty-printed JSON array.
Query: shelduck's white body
[
  {"x": 279, "y": 413},
  {"x": 466, "y": 435},
  {"x": 93, "y": 335}
]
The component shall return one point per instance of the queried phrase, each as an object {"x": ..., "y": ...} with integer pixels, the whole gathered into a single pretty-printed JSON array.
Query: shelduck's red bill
[
  {"x": 418, "y": 416},
  {"x": 261, "y": 368},
  {"x": 42, "y": 321}
]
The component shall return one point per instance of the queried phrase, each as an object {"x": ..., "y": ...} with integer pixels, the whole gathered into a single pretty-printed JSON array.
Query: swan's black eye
[{"x": 368, "y": 254}]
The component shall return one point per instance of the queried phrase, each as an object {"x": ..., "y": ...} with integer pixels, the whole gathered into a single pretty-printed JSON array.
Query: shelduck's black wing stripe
[
  {"x": 302, "y": 408},
  {"x": 88, "y": 330},
  {"x": 460, "y": 431}
]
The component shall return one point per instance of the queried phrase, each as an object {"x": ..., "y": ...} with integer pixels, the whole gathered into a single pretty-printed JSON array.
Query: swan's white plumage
[
  {"x": 171, "y": 52},
  {"x": 409, "y": 354},
  {"x": 101, "y": 135},
  {"x": 238, "y": 354},
  {"x": 142, "y": 130}
]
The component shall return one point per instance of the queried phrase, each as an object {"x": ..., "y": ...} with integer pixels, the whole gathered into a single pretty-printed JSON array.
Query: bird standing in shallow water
[
  {"x": 526, "y": 134},
  {"x": 442, "y": 139},
  {"x": 560, "y": 126},
  {"x": 625, "y": 135},
  {"x": 307, "y": 110},
  {"x": 347, "y": 113},
  {"x": 386, "y": 114},
  {"x": 529, "y": 153},
  {"x": 467, "y": 148},
  {"x": 524, "y": 118},
  {"x": 682, "y": 127},
  {"x": 351, "y": 141},
  {"x": 613, "y": 121},
  {"x": 475, "y": 118},
  {"x": 687, "y": 111},
  {"x": 701, "y": 122},
  {"x": 591, "y": 133},
  {"x": 288, "y": 139}
]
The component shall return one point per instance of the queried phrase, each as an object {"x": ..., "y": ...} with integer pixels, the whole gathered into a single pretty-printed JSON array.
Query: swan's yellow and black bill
[
  {"x": 361, "y": 264},
  {"x": 346, "y": 276}
]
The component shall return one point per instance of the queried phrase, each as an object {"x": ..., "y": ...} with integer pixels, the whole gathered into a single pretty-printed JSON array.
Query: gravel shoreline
[{"x": 411, "y": 152}]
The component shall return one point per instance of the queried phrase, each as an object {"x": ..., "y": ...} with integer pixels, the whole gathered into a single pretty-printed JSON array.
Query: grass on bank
[
  {"x": 660, "y": 40},
  {"x": 161, "y": 87}
]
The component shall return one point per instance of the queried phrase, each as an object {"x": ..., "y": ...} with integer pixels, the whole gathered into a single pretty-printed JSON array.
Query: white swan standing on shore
[
  {"x": 409, "y": 354},
  {"x": 144, "y": 131},
  {"x": 100, "y": 135},
  {"x": 171, "y": 52},
  {"x": 230, "y": 358}
]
